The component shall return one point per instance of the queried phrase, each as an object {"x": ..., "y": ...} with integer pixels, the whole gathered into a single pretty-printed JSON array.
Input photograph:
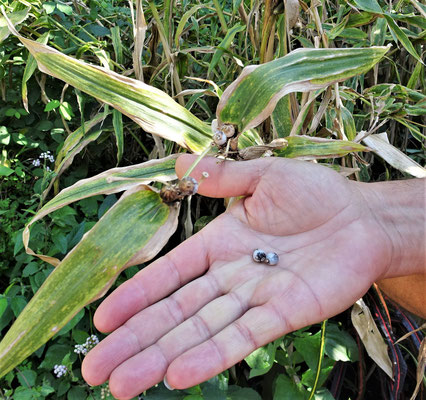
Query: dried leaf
[
  {"x": 370, "y": 336},
  {"x": 379, "y": 143}
]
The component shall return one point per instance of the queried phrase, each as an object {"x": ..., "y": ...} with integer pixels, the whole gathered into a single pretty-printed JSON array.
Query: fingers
[
  {"x": 258, "y": 326},
  {"x": 146, "y": 327},
  {"x": 148, "y": 367},
  {"x": 226, "y": 178},
  {"x": 159, "y": 279}
]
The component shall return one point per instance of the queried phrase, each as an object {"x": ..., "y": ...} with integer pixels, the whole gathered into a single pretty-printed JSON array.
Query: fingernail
[{"x": 166, "y": 384}]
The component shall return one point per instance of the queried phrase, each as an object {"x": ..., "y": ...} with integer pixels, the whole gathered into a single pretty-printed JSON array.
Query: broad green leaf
[
  {"x": 155, "y": 111},
  {"x": 252, "y": 97},
  {"x": 5, "y": 171},
  {"x": 15, "y": 18},
  {"x": 133, "y": 231},
  {"x": 371, "y": 6},
  {"x": 112, "y": 181},
  {"x": 286, "y": 389},
  {"x": 311, "y": 148},
  {"x": 262, "y": 359},
  {"x": 339, "y": 345}
]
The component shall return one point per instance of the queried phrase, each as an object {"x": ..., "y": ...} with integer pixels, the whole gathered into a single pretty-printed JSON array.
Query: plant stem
[
  {"x": 199, "y": 158},
  {"x": 321, "y": 356}
]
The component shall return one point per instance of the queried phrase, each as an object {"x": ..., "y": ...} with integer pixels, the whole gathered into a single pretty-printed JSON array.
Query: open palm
[{"x": 206, "y": 305}]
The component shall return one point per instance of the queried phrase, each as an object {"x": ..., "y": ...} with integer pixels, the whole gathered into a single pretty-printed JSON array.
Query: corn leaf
[
  {"x": 139, "y": 220},
  {"x": 117, "y": 122},
  {"x": 379, "y": 143},
  {"x": 155, "y": 111},
  {"x": 16, "y": 18},
  {"x": 112, "y": 181},
  {"x": 252, "y": 97},
  {"x": 313, "y": 148}
]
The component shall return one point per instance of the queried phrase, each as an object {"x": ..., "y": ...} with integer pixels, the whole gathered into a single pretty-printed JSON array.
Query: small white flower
[
  {"x": 59, "y": 370},
  {"x": 48, "y": 169},
  {"x": 80, "y": 349},
  {"x": 36, "y": 162}
]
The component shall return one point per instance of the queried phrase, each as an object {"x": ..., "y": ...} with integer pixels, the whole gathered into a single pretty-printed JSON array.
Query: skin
[{"x": 206, "y": 305}]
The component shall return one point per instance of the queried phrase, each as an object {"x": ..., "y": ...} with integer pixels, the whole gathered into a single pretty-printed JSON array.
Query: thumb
[{"x": 225, "y": 178}]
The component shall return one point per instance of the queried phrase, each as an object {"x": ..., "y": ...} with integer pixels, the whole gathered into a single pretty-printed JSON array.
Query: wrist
[{"x": 399, "y": 209}]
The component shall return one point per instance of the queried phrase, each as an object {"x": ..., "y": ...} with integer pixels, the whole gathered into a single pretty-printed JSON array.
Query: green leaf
[
  {"x": 29, "y": 70},
  {"x": 51, "y": 105},
  {"x": 66, "y": 9},
  {"x": 49, "y": 7},
  {"x": 339, "y": 345},
  {"x": 281, "y": 117},
  {"x": 65, "y": 110},
  {"x": 5, "y": 171},
  {"x": 133, "y": 231},
  {"x": 311, "y": 148},
  {"x": 3, "y": 304},
  {"x": 239, "y": 393},
  {"x": 155, "y": 111},
  {"x": 183, "y": 20},
  {"x": 252, "y": 97},
  {"x": 402, "y": 37},
  {"x": 308, "y": 377},
  {"x": 309, "y": 347},
  {"x": 27, "y": 377},
  {"x": 76, "y": 393},
  {"x": 261, "y": 360},
  {"x": 17, "y": 304},
  {"x": 348, "y": 123},
  {"x": 4, "y": 136},
  {"x": 286, "y": 389},
  {"x": 108, "y": 182},
  {"x": 117, "y": 121},
  {"x": 224, "y": 45},
  {"x": 15, "y": 18},
  {"x": 369, "y": 5}
]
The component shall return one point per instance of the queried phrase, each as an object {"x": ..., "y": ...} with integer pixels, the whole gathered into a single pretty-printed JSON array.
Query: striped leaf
[
  {"x": 313, "y": 148},
  {"x": 112, "y": 181},
  {"x": 252, "y": 97},
  {"x": 155, "y": 111},
  {"x": 134, "y": 230}
]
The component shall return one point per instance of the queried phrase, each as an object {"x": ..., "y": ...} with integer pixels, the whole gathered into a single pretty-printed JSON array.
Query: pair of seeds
[{"x": 261, "y": 256}]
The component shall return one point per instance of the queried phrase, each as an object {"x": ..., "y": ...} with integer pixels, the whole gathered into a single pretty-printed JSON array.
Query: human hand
[{"x": 206, "y": 305}]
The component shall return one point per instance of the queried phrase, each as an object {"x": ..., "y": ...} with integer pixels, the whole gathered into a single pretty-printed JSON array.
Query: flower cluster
[
  {"x": 47, "y": 155},
  {"x": 105, "y": 393},
  {"x": 59, "y": 370},
  {"x": 84, "y": 348}
]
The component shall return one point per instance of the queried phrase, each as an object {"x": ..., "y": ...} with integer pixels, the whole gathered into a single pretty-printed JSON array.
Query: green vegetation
[{"x": 352, "y": 97}]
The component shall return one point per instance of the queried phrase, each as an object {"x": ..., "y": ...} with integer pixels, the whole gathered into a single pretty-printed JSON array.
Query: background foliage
[{"x": 192, "y": 51}]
